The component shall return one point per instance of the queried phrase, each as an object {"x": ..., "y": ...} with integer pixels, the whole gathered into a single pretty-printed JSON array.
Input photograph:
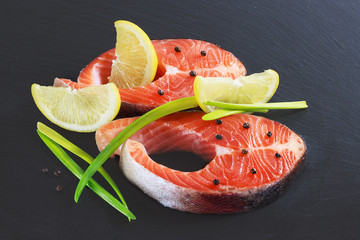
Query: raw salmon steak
[
  {"x": 173, "y": 79},
  {"x": 251, "y": 160}
]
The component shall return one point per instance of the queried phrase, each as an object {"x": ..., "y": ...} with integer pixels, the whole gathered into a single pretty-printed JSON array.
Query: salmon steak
[
  {"x": 175, "y": 73},
  {"x": 251, "y": 160}
]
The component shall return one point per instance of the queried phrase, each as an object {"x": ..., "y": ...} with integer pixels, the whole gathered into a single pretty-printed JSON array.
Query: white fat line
[
  {"x": 220, "y": 68},
  {"x": 291, "y": 145}
]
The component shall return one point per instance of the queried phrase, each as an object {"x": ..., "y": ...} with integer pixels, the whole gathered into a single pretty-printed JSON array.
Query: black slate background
[{"x": 314, "y": 45}]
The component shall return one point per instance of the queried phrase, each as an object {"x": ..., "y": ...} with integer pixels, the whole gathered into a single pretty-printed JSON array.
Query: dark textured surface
[{"x": 314, "y": 46}]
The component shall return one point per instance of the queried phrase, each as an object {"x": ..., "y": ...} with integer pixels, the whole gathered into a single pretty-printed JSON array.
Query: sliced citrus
[
  {"x": 255, "y": 88},
  {"x": 136, "y": 61},
  {"x": 83, "y": 110}
]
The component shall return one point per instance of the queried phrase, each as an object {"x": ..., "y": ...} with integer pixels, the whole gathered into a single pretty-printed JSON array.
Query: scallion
[
  {"x": 161, "y": 111},
  {"x": 220, "y": 113},
  {"x": 56, "y": 137},
  {"x": 250, "y": 107},
  {"x": 78, "y": 172}
]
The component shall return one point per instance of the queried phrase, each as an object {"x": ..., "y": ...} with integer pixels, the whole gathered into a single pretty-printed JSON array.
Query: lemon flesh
[
  {"x": 255, "y": 88},
  {"x": 136, "y": 61},
  {"x": 83, "y": 110}
]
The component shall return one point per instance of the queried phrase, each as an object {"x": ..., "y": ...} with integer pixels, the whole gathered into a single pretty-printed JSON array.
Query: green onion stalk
[
  {"x": 228, "y": 109},
  {"x": 163, "y": 110},
  {"x": 63, "y": 142},
  {"x": 78, "y": 172}
]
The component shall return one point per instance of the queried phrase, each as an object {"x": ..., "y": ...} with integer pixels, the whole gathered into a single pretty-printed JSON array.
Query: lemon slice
[
  {"x": 136, "y": 61},
  {"x": 255, "y": 88},
  {"x": 83, "y": 110}
]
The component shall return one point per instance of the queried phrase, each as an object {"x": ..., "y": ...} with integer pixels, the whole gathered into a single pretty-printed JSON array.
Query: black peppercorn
[
  {"x": 177, "y": 49},
  {"x": 246, "y": 125},
  {"x": 192, "y": 73},
  {"x": 203, "y": 53},
  {"x": 218, "y": 121},
  {"x": 269, "y": 134},
  {"x": 253, "y": 171},
  {"x": 244, "y": 151},
  {"x": 218, "y": 137},
  {"x": 216, "y": 182},
  {"x": 160, "y": 92},
  {"x": 277, "y": 155}
]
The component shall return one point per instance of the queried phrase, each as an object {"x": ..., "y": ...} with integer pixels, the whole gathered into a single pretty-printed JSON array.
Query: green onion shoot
[
  {"x": 220, "y": 113},
  {"x": 161, "y": 111},
  {"x": 78, "y": 172},
  {"x": 228, "y": 109},
  {"x": 56, "y": 137},
  {"x": 247, "y": 107}
]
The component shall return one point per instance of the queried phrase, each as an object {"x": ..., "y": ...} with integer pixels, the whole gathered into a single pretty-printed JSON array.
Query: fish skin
[
  {"x": 173, "y": 74},
  {"x": 239, "y": 190}
]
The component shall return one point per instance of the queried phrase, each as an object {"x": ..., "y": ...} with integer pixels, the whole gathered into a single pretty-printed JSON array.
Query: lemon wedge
[
  {"x": 136, "y": 61},
  {"x": 83, "y": 110},
  {"x": 255, "y": 88}
]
